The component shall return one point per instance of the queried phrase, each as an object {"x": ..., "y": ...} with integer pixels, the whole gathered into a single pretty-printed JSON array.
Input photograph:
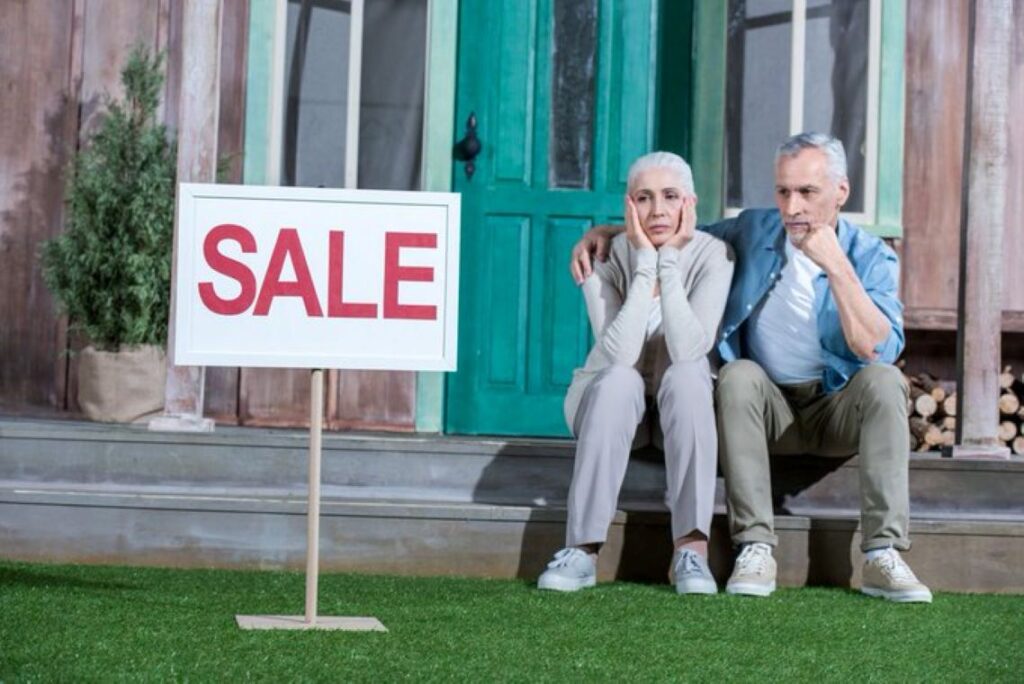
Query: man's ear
[{"x": 844, "y": 192}]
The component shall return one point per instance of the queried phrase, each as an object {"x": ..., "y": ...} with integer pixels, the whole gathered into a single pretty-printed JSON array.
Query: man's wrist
[{"x": 838, "y": 267}]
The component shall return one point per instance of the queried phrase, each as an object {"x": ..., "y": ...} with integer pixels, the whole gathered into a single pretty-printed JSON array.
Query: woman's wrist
[{"x": 646, "y": 261}]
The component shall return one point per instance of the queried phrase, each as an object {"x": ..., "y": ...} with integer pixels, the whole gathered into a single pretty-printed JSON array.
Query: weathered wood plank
[
  {"x": 936, "y": 85},
  {"x": 233, "y": 48},
  {"x": 220, "y": 400},
  {"x": 37, "y": 123},
  {"x": 374, "y": 400},
  {"x": 946, "y": 319},
  {"x": 112, "y": 28},
  {"x": 273, "y": 397}
]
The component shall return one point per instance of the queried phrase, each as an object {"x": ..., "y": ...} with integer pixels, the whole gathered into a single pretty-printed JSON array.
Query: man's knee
[
  {"x": 738, "y": 380},
  {"x": 881, "y": 383}
]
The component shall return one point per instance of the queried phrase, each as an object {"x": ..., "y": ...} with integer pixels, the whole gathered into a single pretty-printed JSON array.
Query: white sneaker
[
  {"x": 691, "y": 573},
  {"x": 571, "y": 570},
  {"x": 888, "y": 576},
  {"x": 754, "y": 572}
]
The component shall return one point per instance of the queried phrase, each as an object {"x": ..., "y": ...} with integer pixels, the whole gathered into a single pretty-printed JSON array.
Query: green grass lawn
[{"x": 86, "y": 623}]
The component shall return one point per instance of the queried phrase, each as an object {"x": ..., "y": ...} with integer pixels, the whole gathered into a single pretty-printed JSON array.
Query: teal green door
[{"x": 563, "y": 93}]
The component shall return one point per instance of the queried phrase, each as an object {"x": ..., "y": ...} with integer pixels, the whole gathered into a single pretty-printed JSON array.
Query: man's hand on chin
[{"x": 821, "y": 245}]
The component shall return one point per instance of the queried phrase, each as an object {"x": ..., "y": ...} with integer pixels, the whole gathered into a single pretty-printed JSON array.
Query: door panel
[{"x": 564, "y": 103}]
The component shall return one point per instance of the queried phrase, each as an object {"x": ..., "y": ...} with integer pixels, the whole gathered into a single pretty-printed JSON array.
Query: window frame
[{"x": 883, "y": 195}]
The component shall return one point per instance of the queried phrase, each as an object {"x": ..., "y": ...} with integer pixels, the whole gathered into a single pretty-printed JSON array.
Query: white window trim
[
  {"x": 796, "y": 102},
  {"x": 355, "y": 69}
]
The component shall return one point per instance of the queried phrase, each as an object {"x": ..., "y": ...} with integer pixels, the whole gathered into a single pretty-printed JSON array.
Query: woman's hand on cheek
[
  {"x": 687, "y": 224},
  {"x": 634, "y": 231}
]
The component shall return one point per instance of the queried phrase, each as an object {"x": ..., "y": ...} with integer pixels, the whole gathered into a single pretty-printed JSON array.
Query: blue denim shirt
[{"x": 758, "y": 238}]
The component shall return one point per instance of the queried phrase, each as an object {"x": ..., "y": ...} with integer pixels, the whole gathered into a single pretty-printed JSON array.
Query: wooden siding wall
[
  {"x": 38, "y": 121},
  {"x": 58, "y": 60},
  {"x": 936, "y": 72}
]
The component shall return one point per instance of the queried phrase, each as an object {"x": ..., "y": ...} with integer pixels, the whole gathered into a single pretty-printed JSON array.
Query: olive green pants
[{"x": 868, "y": 417}]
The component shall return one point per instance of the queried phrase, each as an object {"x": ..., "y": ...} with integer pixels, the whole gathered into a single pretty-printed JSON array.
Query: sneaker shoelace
[
  {"x": 892, "y": 565},
  {"x": 753, "y": 560},
  {"x": 691, "y": 565},
  {"x": 566, "y": 556}
]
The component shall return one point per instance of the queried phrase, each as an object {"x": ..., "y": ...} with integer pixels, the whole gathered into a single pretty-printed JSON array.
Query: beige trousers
[
  {"x": 612, "y": 408},
  {"x": 868, "y": 417}
]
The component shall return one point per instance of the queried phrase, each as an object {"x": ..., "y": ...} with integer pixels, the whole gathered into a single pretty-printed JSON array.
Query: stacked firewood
[
  {"x": 1011, "y": 410},
  {"x": 932, "y": 410}
]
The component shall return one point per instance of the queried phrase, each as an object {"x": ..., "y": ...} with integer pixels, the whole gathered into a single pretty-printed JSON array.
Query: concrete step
[
  {"x": 486, "y": 470},
  {"x": 81, "y": 492},
  {"x": 155, "y": 526}
]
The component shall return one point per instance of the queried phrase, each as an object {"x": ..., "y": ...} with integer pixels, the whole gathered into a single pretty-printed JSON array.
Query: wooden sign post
[
  {"x": 278, "y": 277},
  {"x": 311, "y": 620}
]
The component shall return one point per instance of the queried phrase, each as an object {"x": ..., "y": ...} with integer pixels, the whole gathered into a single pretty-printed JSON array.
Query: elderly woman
[{"x": 654, "y": 308}]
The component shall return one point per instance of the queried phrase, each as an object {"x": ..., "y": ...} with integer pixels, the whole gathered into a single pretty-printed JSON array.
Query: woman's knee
[
  {"x": 619, "y": 377},
  {"x": 614, "y": 387},
  {"x": 685, "y": 379}
]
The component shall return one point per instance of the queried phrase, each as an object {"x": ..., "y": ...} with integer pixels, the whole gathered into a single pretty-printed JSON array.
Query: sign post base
[{"x": 347, "y": 624}]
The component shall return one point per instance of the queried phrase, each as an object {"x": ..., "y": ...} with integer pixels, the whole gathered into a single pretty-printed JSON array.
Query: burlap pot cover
[{"x": 118, "y": 387}]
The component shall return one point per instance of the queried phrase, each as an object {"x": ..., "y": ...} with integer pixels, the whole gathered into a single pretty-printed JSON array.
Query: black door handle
[{"x": 469, "y": 147}]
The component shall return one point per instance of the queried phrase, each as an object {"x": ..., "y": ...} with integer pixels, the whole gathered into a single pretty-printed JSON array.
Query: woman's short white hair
[
  {"x": 835, "y": 154},
  {"x": 663, "y": 160}
]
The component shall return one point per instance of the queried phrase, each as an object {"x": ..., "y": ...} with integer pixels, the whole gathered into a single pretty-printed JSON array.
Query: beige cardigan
[{"x": 619, "y": 293}]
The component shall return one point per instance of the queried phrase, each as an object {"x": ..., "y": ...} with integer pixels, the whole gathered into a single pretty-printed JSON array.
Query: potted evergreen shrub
[{"x": 111, "y": 269}]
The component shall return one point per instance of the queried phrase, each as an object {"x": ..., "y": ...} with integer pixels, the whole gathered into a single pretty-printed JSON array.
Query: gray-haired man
[{"x": 811, "y": 327}]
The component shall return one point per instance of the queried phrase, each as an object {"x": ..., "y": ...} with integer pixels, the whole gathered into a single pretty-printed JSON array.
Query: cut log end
[
  {"x": 1007, "y": 431},
  {"x": 1009, "y": 404}
]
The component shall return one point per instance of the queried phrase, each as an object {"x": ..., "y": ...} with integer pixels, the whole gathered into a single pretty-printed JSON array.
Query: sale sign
[{"x": 316, "y": 278}]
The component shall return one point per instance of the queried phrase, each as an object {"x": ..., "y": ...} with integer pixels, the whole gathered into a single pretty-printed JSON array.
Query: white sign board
[{"x": 316, "y": 278}]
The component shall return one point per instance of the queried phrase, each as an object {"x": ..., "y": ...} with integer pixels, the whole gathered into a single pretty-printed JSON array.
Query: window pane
[
  {"x": 391, "y": 98},
  {"x": 574, "y": 42},
  {"x": 316, "y": 72},
  {"x": 757, "y": 97},
  {"x": 836, "y": 81}
]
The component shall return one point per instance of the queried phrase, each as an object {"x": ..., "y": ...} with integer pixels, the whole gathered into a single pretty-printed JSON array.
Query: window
[
  {"x": 787, "y": 66},
  {"x": 346, "y": 103}
]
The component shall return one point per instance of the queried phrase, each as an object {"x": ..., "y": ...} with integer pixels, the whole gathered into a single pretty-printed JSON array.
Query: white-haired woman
[{"x": 654, "y": 308}]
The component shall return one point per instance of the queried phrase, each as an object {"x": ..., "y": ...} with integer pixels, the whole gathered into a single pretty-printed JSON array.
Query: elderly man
[{"x": 811, "y": 327}]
